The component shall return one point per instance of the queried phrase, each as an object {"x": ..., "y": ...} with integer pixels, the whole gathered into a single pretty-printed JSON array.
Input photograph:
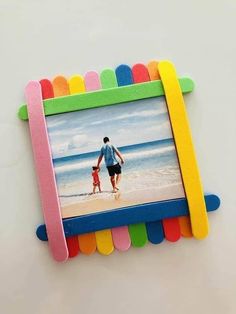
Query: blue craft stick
[
  {"x": 124, "y": 75},
  {"x": 128, "y": 215},
  {"x": 155, "y": 231}
]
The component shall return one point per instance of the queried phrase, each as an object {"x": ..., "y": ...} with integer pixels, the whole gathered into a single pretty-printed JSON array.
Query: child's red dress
[{"x": 95, "y": 178}]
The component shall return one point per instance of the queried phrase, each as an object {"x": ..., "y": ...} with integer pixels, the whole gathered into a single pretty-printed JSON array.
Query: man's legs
[
  {"x": 118, "y": 178},
  {"x": 113, "y": 182}
]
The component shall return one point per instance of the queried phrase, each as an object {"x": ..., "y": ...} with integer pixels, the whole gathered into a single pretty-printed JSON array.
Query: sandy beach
[{"x": 101, "y": 202}]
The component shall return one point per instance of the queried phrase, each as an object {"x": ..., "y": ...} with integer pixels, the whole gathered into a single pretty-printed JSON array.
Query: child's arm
[
  {"x": 119, "y": 155},
  {"x": 99, "y": 161}
]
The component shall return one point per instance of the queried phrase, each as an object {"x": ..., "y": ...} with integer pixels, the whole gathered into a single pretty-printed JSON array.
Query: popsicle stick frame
[{"x": 147, "y": 189}]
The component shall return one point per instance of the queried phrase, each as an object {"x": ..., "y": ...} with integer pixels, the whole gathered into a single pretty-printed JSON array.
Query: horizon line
[{"x": 119, "y": 147}]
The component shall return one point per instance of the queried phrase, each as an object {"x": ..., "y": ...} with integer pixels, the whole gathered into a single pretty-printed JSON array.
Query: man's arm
[{"x": 119, "y": 155}]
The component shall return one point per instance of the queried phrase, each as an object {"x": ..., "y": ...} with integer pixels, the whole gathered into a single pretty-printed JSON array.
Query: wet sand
[{"x": 96, "y": 203}]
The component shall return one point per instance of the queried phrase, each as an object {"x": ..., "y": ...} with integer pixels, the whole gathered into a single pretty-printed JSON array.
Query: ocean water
[{"x": 147, "y": 165}]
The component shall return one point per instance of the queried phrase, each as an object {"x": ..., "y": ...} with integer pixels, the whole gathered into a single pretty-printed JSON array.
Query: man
[{"x": 114, "y": 169}]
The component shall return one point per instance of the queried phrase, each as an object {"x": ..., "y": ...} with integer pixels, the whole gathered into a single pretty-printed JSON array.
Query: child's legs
[
  {"x": 94, "y": 189},
  {"x": 99, "y": 187}
]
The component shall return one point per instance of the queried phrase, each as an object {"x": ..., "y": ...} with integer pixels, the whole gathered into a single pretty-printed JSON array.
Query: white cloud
[
  {"x": 162, "y": 131},
  {"x": 77, "y": 141},
  {"x": 59, "y": 148},
  {"x": 138, "y": 114},
  {"x": 69, "y": 131},
  {"x": 83, "y": 131}
]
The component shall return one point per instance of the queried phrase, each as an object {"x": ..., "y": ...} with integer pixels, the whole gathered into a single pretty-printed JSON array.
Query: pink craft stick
[
  {"x": 45, "y": 172},
  {"x": 91, "y": 80},
  {"x": 121, "y": 238}
]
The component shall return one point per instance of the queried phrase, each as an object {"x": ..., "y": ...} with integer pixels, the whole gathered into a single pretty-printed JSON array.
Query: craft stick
[
  {"x": 104, "y": 241},
  {"x": 76, "y": 84},
  {"x": 185, "y": 227},
  {"x": 73, "y": 246},
  {"x": 153, "y": 71},
  {"x": 111, "y": 96},
  {"x": 171, "y": 227},
  {"x": 103, "y": 237},
  {"x": 129, "y": 215},
  {"x": 184, "y": 222},
  {"x": 185, "y": 150},
  {"x": 121, "y": 238},
  {"x": 137, "y": 232},
  {"x": 61, "y": 88},
  {"x": 108, "y": 79},
  {"x": 87, "y": 242},
  {"x": 140, "y": 73},
  {"x": 124, "y": 75},
  {"x": 155, "y": 231},
  {"x": 92, "y": 82},
  {"x": 120, "y": 235},
  {"x": 45, "y": 172},
  {"x": 47, "y": 89}
]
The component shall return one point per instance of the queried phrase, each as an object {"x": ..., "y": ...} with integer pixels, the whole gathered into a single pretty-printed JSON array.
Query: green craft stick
[
  {"x": 138, "y": 234},
  {"x": 105, "y": 97},
  {"x": 108, "y": 79}
]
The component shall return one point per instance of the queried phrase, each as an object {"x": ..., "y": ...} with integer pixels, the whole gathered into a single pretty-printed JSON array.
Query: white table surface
[{"x": 46, "y": 38}]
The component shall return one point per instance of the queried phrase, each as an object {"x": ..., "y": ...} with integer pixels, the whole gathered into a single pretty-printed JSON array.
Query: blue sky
[{"x": 125, "y": 124}]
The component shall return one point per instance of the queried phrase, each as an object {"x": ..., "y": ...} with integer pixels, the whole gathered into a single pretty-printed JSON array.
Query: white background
[{"x": 45, "y": 38}]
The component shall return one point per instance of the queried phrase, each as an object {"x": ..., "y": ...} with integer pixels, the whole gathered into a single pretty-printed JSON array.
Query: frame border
[
  {"x": 172, "y": 88},
  {"x": 105, "y": 97},
  {"x": 128, "y": 215}
]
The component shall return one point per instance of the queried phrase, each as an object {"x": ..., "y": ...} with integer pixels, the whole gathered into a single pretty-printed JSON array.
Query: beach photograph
[{"x": 115, "y": 156}]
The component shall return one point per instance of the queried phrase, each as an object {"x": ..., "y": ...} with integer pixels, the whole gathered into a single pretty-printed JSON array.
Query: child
[{"x": 96, "y": 181}]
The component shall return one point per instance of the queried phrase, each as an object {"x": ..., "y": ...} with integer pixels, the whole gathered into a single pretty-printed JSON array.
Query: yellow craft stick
[
  {"x": 104, "y": 241},
  {"x": 87, "y": 241},
  {"x": 76, "y": 84},
  {"x": 185, "y": 150}
]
